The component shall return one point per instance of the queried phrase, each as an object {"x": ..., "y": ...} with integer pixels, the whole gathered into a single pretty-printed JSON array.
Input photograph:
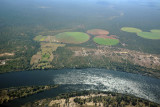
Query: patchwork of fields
[{"x": 154, "y": 34}]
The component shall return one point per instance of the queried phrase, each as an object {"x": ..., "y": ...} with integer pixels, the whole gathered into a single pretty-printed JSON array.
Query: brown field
[
  {"x": 62, "y": 102},
  {"x": 35, "y": 58},
  {"x": 98, "y": 32},
  {"x": 114, "y": 36},
  {"x": 104, "y": 36}
]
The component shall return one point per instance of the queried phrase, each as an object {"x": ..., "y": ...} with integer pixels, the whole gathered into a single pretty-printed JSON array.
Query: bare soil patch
[
  {"x": 6, "y": 54},
  {"x": 98, "y": 32}
]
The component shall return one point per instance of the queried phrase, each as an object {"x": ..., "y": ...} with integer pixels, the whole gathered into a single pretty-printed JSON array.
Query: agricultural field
[
  {"x": 102, "y": 38},
  {"x": 43, "y": 57},
  {"x": 131, "y": 29},
  {"x": 65, "y": 37},
  {"x": 153, "y": 34},
  {"x": 97, "y": 32},
  {"x": 49, "y": 44},
  {"x": 72, "y": 37},
  {"x": 57, "y": 38},
  {"x": 106, "y": 41}
]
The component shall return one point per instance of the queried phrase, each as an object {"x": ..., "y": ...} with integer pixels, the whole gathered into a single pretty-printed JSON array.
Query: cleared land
[
  {"x": 97, "y": 32},
  {"x": 106, "y": 41},
  {"x": 153, "y": 34},
  {"x": 102, "y": 38},
  {"x": 6, "y": 54},
  {"x": 72, "y": 37},
  {"x": 131, "y": 29},
  {"x": 155, "y": 30},
  {"x": 43, "y": 58}
]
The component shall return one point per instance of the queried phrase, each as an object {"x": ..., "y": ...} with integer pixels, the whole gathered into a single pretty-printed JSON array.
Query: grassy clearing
[
  {"x": 106, "y": 41},
  {"x": 72, "y": 37},
  {"x": 131, "y": 29},
  {"x": 40, "y": 38},
  {"x": 43, "y": 58}
]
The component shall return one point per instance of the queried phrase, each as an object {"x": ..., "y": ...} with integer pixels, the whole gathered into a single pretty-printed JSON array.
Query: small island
[{"x": 12, "y": 93}]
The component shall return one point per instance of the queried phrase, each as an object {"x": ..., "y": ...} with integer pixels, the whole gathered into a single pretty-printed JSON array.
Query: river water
[{"x": 84, "y": 79}]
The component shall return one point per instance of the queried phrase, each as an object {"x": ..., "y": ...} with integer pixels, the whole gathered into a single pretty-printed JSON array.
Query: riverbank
[{"x": 92, "y": 98}]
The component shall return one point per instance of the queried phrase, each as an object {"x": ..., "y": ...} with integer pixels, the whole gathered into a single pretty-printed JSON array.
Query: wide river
[{"x": 84, "y": 79}]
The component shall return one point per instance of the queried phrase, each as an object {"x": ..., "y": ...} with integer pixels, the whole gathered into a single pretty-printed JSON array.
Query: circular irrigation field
[
  {"x": 153, "y": 34},
  {"x": 106, "y": 40},
  {"x": 131, "y": 29},
  {"x": 72, "y": 37}
]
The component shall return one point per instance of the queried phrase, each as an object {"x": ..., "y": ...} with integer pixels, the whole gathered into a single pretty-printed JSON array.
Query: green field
[
  {"x": 131, "y": 29},
  {"x": 155, "y": 30},
  {"x": 149, "y": 35},
  {"x": 45, "y": 57},
  {"x": 153, "y": 34},
  {"x": 106, "y": 41},
  {"x": 72, "y": 37}
]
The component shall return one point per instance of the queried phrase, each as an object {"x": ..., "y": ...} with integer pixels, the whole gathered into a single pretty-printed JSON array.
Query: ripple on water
[{"x": 105, "y": 80}]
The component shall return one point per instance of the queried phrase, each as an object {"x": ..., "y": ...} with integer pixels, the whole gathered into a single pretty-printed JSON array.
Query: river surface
[{"x": 83, "y": 79}]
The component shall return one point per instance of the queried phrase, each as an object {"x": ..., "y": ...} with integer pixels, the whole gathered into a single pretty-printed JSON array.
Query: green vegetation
[
  {"x": 106, "y": 41},
  {"x": 22, "y": 45},
  {"x": 149, "y": 35},
  {"x": 93, "y": 99},
  {"x": 131, "y": 29},
  {"x": 72, "y": 37},
  {"x": 17, "y": 35},
  {"x": 155, "y": 31},
  {"x": 65, "y": 57},
  {"x": 40, "y": 38},
  {"x": 18, "y": 92},
  {"x": 154, "y": 34},
  {"x": 44, "y": 57}
]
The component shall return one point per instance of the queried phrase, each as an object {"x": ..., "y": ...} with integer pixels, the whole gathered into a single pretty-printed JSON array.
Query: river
[{"x": 83, "y": 79}]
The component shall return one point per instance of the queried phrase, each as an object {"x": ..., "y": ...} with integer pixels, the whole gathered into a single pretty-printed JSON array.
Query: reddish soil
[
  {"x": 98, "y": 32},
  {"x": 104, "y": 36},
  {"x": 114, "y": 36}
]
